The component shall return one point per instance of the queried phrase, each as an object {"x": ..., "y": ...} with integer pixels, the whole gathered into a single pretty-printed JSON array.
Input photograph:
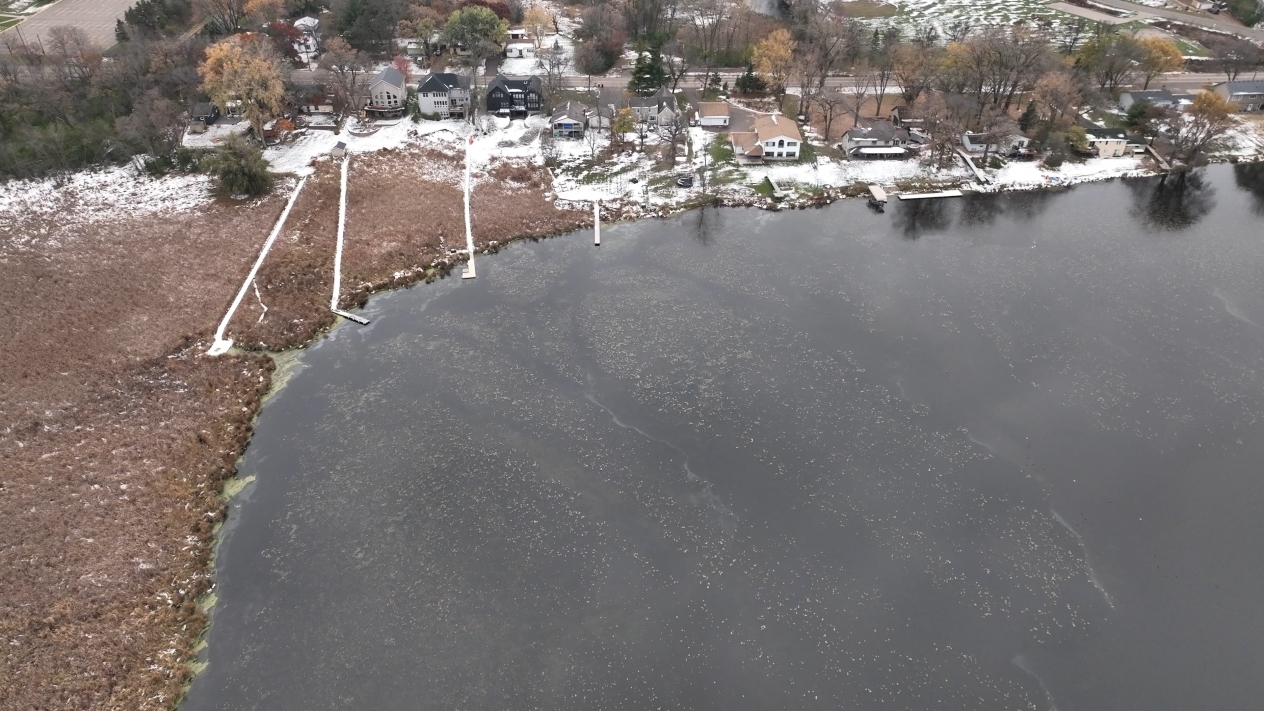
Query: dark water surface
[{"x": 995, "y": 453}]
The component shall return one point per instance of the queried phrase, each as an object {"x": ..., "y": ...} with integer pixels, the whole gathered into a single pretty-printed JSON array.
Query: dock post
[{"x": 596, "y": 223}]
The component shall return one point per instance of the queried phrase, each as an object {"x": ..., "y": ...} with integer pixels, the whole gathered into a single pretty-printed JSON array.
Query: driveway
[{"x": 95, "y": 17}]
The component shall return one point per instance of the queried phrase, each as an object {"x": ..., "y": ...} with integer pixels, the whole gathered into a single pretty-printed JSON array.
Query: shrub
[
  {"x": 995, "y": 163},
  {"x": 240, "y": 168},
  {"x": 1054, "y": 160}
]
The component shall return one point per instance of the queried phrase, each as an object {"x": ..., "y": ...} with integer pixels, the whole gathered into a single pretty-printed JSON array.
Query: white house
[
  {"x": 1108, "y": 142},
  {"x": 774, "y": 138},
  {"x": 570, "y": 120},
  {"x": 713, "y": 114},
  {"x": 388, "y": 93},
  {"x": 977, "y": 143},
  {"x": 444, "y": 94}
]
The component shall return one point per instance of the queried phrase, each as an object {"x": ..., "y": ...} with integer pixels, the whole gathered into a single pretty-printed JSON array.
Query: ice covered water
[{"x": 993, "y": 453}]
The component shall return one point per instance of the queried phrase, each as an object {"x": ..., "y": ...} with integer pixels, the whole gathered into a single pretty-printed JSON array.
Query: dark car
[{"x": 685, "y": 181}]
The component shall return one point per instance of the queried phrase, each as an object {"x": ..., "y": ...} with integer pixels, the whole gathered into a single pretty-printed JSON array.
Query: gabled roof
[
  {"x": 878, "y": 130},
  {"x": 1243, "y": 87},
  {"x": 1155, "y": 96},
  {"x": 571, "y": 111},
  {"x": 204, "y": 108},
  {"x": 531, "y": 83},
  {"x": 306, "y": 24},
  {"x": 747, "y": 142},
  {"x": 658, "y": 100},
  {"x": 391, "y": 76},
  {"x": 443, "y": 82},
  {"x": 769, "y": 127},
  {"x": 713, "y": 108}
]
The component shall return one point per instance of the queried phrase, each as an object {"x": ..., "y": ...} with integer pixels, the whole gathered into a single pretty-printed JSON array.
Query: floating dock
[{"x": 877, "y": 195}]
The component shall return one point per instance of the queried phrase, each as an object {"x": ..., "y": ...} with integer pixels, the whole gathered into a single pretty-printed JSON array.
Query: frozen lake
[{"x": 999, "y": 452}]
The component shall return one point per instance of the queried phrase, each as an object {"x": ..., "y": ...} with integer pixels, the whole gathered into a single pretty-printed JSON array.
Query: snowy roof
[
  {"x": 443, "y": 82},
  {"x": 571, "y": 111},
  {"x": 1106, "y": 134},
  {"x": 877, "y": 130},
  {"x": 1155, "y": 96},
  {"x": 306, "y": 23},
  {"x": 1244, "y": 87}
]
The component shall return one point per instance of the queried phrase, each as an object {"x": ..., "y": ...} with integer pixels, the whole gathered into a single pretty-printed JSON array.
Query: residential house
[
  {"x": 877, "y": 138},
  {"x": 388, "y": 94},
  {"x": 713, "y": 114},
  {"x": 570, "y": 120},
  {"x": 515, "y": 98},
  {"x": 518, "y": 34},
  {"x": 774, "y": 138},
  {"x": 519, "y": 50},
  {"x": 1008, "y": 145},
  {"x": 444, "y": 94},
  {"x": 1248, "y": 95},
  {"x": 203, "y": 114},
  {"x": 657, "y": 109},
  {"x": 1108, "y": 142},
  {"x": 1160, "y": 99}
]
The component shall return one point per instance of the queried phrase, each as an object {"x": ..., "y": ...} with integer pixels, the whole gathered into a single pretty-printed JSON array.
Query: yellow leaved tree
[
  {"x": 245, "y": 72},
  {"x": 773, "y": 57}
]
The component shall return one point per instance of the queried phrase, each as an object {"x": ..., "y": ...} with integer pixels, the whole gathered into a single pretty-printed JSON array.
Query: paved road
[
  {"x": 95, "y": 17},
  {"x": 1213, "y": 22}
]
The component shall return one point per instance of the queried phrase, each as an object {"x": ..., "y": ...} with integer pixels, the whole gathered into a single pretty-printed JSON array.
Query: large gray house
[{"x": 445, "y": 95}]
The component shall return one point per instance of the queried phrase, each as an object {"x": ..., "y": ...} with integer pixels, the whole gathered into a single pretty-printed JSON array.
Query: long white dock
[
  {"x": 469, "y": 272},
  {"x": 221, "y": 344}
]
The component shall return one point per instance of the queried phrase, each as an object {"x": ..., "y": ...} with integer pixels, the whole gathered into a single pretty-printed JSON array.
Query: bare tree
[
  {"x": 833, "y": 104},
  {"x": 222, "y": 15},
  {"x": 641, "y": 125},
  {"x": 349, "y": 68},
  {"x": 592, "y": 138},
  {"x": 670, "y": 130}
]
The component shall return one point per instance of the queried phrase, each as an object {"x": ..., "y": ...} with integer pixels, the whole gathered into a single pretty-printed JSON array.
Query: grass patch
[
  {"x": 764, "y": 188},
  {"x": 721, "y": 149},
  {"x": 807, "y": 152},
  {"x": 7, "y": 22}
]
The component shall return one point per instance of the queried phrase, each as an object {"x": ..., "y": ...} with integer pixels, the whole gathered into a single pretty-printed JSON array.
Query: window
[{"x": 781, "y": 144}]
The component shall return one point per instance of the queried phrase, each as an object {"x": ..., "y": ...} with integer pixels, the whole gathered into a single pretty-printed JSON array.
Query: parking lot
[{"x": 95, "y": 17}]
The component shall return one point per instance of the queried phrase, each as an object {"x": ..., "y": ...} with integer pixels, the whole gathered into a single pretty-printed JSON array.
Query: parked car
[{"x": 685, "y": 181}]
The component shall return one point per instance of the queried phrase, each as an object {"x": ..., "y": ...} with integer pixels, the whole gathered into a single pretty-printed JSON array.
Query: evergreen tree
[
  {"x": 1029, "y": 117},
  {"x": 240, "y": 168},
  {"x": 749, "y": 83},
  {"x": 120, "y": 31},
  {"x": 648, "y": 75}
]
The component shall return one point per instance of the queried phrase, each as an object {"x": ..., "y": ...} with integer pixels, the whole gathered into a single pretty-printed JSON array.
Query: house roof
[
  {"x": 572, "y": 111},
  {"x": 1103, "y": 134},
  {"x": 306, "y": 23},
  {"x": 747, "y": 142},
  {"x": 713, "y": 108},
  {"x": 1155, "y": 96},
  {"x": 878, "y": 130},
  {"x": 203, "y": 108},
  {"x": 391, "y": 76},
  {"x": 442, "y": 82},
  {"x": 658, "y": 100},
  {"x": 505, "y": 83},
  {"x": 1243, "y": 87},
  {"x": 773, "y": 126}
]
